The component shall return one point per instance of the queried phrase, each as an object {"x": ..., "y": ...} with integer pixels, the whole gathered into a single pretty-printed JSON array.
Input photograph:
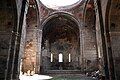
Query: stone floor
[
  {"x": 56, "y": 77},
  {"x": 72, "y": 77}
]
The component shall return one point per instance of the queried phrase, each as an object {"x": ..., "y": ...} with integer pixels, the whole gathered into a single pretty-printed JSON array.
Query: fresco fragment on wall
[{"x": 29, "y": 59}]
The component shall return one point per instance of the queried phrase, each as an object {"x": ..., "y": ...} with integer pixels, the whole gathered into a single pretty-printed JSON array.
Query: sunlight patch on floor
[{"x": 34, "y": 77}]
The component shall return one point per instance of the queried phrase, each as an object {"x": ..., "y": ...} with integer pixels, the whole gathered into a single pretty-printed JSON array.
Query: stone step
[{"x": 63, "y": 72}]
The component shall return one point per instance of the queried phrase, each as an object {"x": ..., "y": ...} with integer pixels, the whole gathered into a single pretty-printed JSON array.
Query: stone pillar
[
  {"x": 107, "y": 53},
  {"x": 82, "y": 48},
  {"x": 12, "y": 61},
  {"x": 38, "y": 56}
]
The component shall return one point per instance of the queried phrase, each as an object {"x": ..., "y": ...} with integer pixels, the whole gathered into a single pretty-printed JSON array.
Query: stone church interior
[{"x": 60, "y": 39}]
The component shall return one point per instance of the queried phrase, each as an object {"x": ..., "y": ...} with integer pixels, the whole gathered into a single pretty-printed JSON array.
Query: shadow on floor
[{"x": 72, "y": 78}]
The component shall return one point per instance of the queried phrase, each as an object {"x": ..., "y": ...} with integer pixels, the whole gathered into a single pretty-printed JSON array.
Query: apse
[{"x": 60, "y": 44}]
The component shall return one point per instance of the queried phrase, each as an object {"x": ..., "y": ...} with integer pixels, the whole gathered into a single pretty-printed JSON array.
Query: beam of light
[
  {"x": 34, "y": 77},
  {"x": 58, "y": 3}
]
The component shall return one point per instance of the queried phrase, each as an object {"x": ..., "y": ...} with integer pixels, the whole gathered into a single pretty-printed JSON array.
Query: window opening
[
  {"x": 51, "y": 57},
  {"x": 60, "y": 57},
  {"x": 69, "y": 57}
]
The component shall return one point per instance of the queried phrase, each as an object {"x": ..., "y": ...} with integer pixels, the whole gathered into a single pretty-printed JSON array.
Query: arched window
[
  {"x": 69, "y": 57},
  {"x": 51, "y": 57},
  {"x": 60, "y": 57}
]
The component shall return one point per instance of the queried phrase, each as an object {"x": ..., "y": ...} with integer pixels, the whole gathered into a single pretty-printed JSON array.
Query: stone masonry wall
[
  {"x": 7, "y": 22},
  {"x": 115, "y": 35}
]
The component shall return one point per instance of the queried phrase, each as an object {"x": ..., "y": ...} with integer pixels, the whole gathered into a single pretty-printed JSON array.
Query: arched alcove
[
  {"x": 90, "y": 51},
  {"x": 60, "y": 38},
  {"x": 29, "y": 59},
  {"x": 113, "y": 37}
]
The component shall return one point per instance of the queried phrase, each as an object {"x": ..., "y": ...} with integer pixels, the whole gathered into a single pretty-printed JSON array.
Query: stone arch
[
  {"x": 89, "y": 32},
  {"x": 89, "y": 12},
  {"x": 103, "y": 37},
  {"x": 8, "y": 29},
  {"x": 64, "y": 17},
  {"x": 56, "y": 13},
  {"x": 31, "y": 18},
  {"x": 112, "y": 36}
]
